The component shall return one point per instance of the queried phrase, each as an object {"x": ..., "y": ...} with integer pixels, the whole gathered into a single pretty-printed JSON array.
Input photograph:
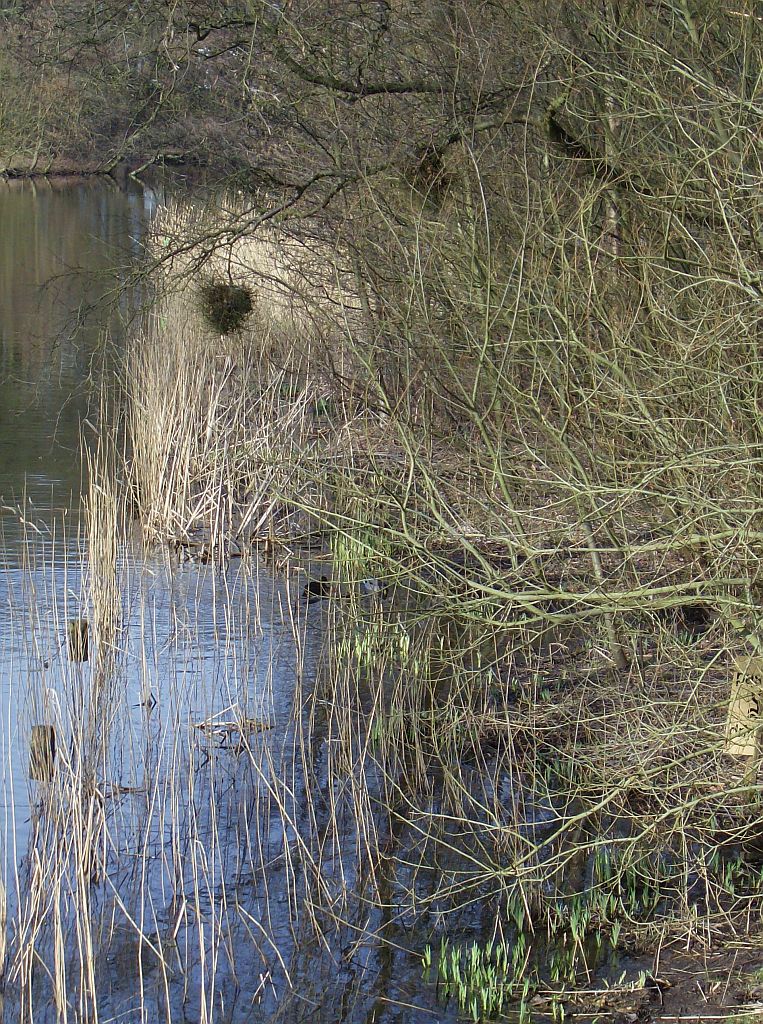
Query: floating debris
[
  {"x": 373, "y": 588},
  {"x": 231, "y": 732}
]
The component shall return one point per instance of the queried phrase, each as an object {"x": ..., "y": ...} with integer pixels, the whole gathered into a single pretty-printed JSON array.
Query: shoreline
[{"x": 116, "y": 170}]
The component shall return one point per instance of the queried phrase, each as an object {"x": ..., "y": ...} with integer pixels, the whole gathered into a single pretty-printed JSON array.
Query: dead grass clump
[{"x": 226, "y": 307}]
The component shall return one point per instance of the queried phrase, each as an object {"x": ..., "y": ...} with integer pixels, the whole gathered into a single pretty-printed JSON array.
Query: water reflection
[{"x": 65, "y": 247}]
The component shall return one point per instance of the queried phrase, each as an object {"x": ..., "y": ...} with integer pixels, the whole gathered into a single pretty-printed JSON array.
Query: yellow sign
[{"x": 744, "y": 725}]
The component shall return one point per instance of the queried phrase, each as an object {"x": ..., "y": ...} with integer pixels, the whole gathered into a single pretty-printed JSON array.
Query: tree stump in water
[{"x": 78, "y": 630}]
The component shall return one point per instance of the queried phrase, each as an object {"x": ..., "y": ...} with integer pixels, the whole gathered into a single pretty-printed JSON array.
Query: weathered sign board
[{"x": 744, "y": 724}]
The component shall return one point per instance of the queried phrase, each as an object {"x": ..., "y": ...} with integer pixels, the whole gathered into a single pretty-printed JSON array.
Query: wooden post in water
[
  {"x": 42, "y": 753},
  {"x": 78, "y": 630}
]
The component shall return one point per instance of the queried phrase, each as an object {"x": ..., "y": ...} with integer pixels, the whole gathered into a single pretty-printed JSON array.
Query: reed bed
[
  {"x": 518, "y": 454},
  {"x": 168, "y": 793}
]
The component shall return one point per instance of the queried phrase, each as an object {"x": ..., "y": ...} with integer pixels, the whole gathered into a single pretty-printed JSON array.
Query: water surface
[{"x": 66, "y": 248}]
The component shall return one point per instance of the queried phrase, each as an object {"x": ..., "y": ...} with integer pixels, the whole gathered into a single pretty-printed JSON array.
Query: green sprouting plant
[
  {"x": 482, "y": 978},
  {"x": 426, "y": 959},
  {"x": 629, "y": 883},
  {"x": 516, "y": 909},
  {"x": 376, "y": 732},
  {"x": 524, "y": 1001},
  {"x": 714, "y": 860},
  {"x": 359, "y": 551}
]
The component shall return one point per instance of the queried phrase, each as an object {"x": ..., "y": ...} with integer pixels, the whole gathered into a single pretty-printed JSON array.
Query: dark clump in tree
[{"x": 226, "y": 307}]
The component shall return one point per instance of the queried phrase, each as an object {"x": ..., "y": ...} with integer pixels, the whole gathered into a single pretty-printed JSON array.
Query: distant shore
[{"x": 67, "y": 167}]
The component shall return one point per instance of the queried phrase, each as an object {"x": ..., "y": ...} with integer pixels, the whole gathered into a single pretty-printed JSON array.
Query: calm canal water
[
  {"x": 207, "y": 848},
  {"x": 65, "y": 250}
]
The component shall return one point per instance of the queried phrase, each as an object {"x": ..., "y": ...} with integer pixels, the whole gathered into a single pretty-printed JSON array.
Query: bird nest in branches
[{"x": 226, "y": 307}]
